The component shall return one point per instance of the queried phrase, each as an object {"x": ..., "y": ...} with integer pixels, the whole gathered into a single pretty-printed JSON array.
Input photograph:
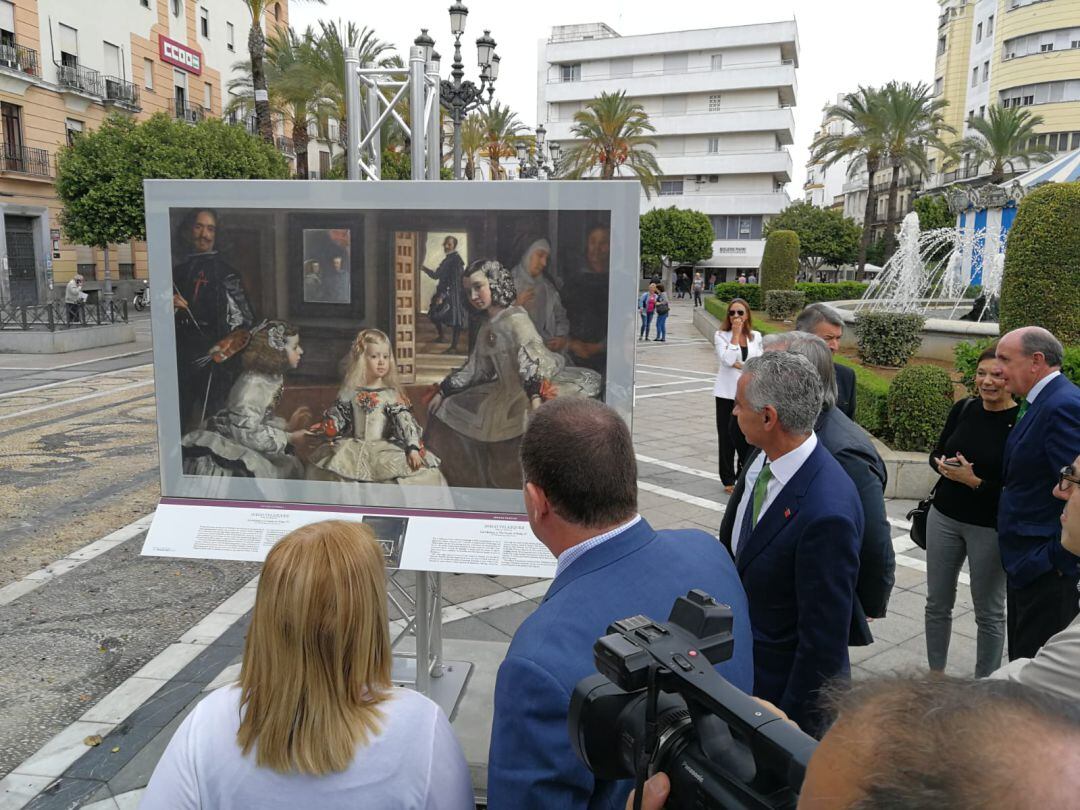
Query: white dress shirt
[
  {"x": 783, "y": 470},
  {"x": 572, "y": 553},
  {"x": 1037, "y": 388}
]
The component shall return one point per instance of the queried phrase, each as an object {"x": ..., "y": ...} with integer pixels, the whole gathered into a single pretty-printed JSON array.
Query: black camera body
[{"x": 658, "y": 704}]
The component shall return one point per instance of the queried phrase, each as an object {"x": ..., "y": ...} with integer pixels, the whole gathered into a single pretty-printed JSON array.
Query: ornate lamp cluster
[
  {"x": 457, "y": 95},
  {"x": 534, "y": 164}
]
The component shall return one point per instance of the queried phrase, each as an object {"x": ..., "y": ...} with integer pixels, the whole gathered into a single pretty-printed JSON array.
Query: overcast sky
[{"x": 843, "y": 43}]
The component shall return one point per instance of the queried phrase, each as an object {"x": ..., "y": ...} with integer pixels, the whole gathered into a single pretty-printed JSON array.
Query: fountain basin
[{"x": 939, "y": 335}]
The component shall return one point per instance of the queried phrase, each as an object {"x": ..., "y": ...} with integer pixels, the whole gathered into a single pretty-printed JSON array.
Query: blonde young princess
[{"x": 373, "y": 436}]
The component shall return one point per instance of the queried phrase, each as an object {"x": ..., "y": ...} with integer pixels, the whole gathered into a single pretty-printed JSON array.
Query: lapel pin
[{"x": 787, "y": 513}]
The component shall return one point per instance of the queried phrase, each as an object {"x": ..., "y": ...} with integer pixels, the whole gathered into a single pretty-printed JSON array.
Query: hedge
[
  {"x": 783, "y": 305},
  {"x": 780, "y": 261},
  {"x": 1041, "y": 284},
  {"x": 815, "y": 292},
  {"x": 888, "y": 338},
  {"x": 920, "y": 399},
  {"x": 966, "y": 360}
]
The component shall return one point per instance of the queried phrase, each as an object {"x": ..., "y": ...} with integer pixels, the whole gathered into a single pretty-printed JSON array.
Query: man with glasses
[
  {"x": 1042, "y": 573},
  {"x": 1056, "y": 667}
]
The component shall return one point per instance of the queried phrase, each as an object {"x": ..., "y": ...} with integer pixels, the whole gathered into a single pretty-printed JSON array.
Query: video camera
[{"x": 659, "y": 705}]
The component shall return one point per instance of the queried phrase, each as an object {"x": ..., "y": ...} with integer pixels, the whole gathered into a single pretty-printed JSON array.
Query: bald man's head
[{"x": 937, "y": 742}]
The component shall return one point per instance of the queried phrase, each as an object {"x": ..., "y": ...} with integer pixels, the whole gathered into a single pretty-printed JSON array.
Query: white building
[
  {"x": 824, "y": 186},
  {"x": 720, "y": 99}
]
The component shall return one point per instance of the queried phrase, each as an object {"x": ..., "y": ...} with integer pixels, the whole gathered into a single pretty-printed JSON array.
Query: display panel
[{"x": 380, "y": 344}]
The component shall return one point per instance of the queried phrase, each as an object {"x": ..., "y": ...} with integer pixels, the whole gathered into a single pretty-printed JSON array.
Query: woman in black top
[{"x": 963, "y": 519}]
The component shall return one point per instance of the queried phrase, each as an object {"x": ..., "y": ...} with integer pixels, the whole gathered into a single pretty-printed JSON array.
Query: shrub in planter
[
  {"x": 780, "y": 261},
  {"x": 835, "y": 291},
  {"x": 729, "y": 290},
  {"x": 871, "y": 395},
  {"x": 967, "y": 360},
  {"x": 920, "y": 399},
  {"x": 782, "y": 305},
  {"x": 888, "y": 338},
  {"x": 1041, "y": 284}
]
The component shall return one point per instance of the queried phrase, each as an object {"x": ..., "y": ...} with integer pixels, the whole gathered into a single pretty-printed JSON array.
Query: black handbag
[{"x": 662, "y": 307}]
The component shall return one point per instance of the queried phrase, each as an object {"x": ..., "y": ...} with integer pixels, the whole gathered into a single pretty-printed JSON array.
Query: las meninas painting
[{"x": 381, "y": 344}]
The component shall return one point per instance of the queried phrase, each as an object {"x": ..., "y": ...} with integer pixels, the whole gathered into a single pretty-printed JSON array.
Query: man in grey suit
[
  {"x": 825, "y": 322},
  {"x": 849, "y": 445},
  {"x": 1056, "y": 666}
]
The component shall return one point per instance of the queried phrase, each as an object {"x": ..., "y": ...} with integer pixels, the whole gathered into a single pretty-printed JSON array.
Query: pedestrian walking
[
  {"x": 962, "y": 522},
  {"x": 742, "y": 278},
  {"x": 735, "y": 343},
  {"x": 752, "y": 278},
  {"x": 698, "y": 288},
  {"x": 646, "y": 309},
  {"x": 73, "y": 296},
  {"x": 663, "y": 307}
]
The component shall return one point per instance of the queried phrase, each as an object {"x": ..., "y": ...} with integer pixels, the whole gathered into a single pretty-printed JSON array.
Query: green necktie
[
  {"x": 1024, "y": 405},
  {"x": 761, "y": 487}
]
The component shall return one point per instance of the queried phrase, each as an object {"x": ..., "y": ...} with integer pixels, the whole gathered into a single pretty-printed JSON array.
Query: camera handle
[{"x": 647, "y": 747}]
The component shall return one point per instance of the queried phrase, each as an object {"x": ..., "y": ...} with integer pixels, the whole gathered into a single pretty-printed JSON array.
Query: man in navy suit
[
  {"x": 853, "y": 450},
  {"x": 581, "y": 496},
  {"x": 1042, "y": 574},
  {"x": 795, "y": 533},
  {"x": 825, "y": 322}
]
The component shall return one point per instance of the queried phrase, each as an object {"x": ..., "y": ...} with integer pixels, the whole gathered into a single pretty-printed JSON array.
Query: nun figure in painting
[
  {"x": 479, "y": 413},
  {"x": 539, "y": 297},
  {"x": 246, "y": 438}
]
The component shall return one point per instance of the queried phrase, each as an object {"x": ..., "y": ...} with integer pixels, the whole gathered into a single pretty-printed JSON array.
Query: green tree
[
  {"x": 257, "y": 53},
  {"x": 913, "y": 122},
  {"x": 611, "y": 134},
  {"x": 1041, "y": 284},
  {"x": 472, "y": 142},
  {"x": 933, "y": 211},
  {"x": 1004, "y": 139},
  {"x": 861, "y": 141},
  {"x": 501, "y": 129},
  {"x": 826, "y": 236},
  {"x": 99, "y": 178},
  {"x": 671, "y": 236},
  {"x": 779, "y": 262}
]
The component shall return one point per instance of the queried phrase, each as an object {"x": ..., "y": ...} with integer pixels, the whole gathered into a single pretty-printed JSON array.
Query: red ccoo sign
[{"x": 181, "y": 56}]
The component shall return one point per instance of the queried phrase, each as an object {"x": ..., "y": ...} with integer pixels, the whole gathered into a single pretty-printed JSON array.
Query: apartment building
[
  {"x": 67, "y": 64},
  {"x": 720, "y": 99},
  {"x": 1012, "y": 53},
  {"x": 824, "y": 186}
]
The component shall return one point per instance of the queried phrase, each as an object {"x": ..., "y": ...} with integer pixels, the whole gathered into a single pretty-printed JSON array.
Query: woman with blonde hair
[{"x": 315, "y": 720}]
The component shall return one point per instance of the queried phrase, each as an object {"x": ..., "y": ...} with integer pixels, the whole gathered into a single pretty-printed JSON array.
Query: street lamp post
[
  {"x": 459, "y": 96},
  {"x": 533, "y": 165}
]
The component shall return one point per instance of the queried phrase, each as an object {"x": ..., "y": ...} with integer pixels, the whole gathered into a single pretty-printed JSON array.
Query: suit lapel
[
  {"x": 727, "y": 525},
  {"x": 780, "y": 512},
  {"x": 1021, "y": 428},
  {"x": 609, "y": 551}
]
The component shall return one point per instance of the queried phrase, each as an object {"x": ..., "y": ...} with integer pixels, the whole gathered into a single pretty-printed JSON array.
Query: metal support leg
[
  {"x": 436, "y": 627},
  {"x": 416, "y": 111},
  {"x": 352, "y": 108}
]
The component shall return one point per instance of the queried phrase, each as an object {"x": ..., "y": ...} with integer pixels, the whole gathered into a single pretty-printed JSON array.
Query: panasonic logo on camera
[{"x": 693, "y": 773}]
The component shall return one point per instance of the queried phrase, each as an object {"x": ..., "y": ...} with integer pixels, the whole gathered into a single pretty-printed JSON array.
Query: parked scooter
[{"x": 142, "y": 297}]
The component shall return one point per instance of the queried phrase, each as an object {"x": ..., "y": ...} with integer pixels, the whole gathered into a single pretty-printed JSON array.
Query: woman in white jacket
[{"x": 736, "y": 342}]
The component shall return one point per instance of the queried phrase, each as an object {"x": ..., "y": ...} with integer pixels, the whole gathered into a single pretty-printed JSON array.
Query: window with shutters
[
  {"x": 671, "y": 188},
  {"x": 571, "y": 73},
  {"x": 714, "y": 103}
]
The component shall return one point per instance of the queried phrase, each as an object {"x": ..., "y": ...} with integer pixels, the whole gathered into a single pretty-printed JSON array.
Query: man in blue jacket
[
  {"x": 795, "y": 531},
  {"x": 1042, "y": 574},
  {"x": 581, "y": 496}
]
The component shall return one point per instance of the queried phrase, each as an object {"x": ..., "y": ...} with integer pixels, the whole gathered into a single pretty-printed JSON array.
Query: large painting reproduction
[{"x": 381, "y": 344}]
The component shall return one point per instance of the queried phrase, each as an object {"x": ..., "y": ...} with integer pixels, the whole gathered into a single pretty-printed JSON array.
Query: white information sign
[{"x": 484, "y": 544}]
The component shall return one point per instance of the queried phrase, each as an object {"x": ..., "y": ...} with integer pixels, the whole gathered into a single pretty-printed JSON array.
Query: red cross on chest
[{"x": 200, "y": 281}]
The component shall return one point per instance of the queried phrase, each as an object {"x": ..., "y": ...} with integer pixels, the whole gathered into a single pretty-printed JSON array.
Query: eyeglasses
[
  {"x": 1067, "y": 474},
  {"x": 736, "y": 313}
]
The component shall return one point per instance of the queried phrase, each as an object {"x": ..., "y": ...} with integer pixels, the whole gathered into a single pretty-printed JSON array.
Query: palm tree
[
  {"x": 1003, "y": 140},
  {"x": 257, "y": 52},
  {"x": 913, "y": 122},
  {"x": 473, "y": 138},
  {"x": 862, "y": 142},
  {"x": 501, "y": 131},
  {"x": 295, "y": 87},
  {"x": 611, "y": 134}
]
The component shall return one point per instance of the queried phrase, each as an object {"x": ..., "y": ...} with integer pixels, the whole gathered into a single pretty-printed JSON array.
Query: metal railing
[
  {"x": 25, "y": 160},
  {"x": 680, "y": 71},
  {"x": 285, "y": 146},
  {"x": 54, "y": 315},
  {"x": 121, "y": 91},
  {"x": 248, "y": 122},
  {"x": 81, "y": 78},
  {"x": 190, "y": 113},
  {"x": 19, "y": 57}
]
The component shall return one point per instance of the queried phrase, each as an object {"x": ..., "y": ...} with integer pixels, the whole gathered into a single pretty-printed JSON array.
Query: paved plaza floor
[{"x": 675, "y": 439}]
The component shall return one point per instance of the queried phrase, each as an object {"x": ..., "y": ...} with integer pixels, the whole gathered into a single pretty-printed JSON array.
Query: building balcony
[
  {"x": 285, "y": 146},
  {"x": 189, "y": 113},
  {"x": 118, "y": 91},
  {"x": 19, "y": 58},
  {"x": 248, "y": 122},
  {"x": 720, "y": 203},
  {"x": 775, "y": 162},
  {"x": 81, "y": 79},
  {"x": 25, "y": 160},
  {"x": 736, "y": 119},
  {"x": 639, "y": 84}
]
